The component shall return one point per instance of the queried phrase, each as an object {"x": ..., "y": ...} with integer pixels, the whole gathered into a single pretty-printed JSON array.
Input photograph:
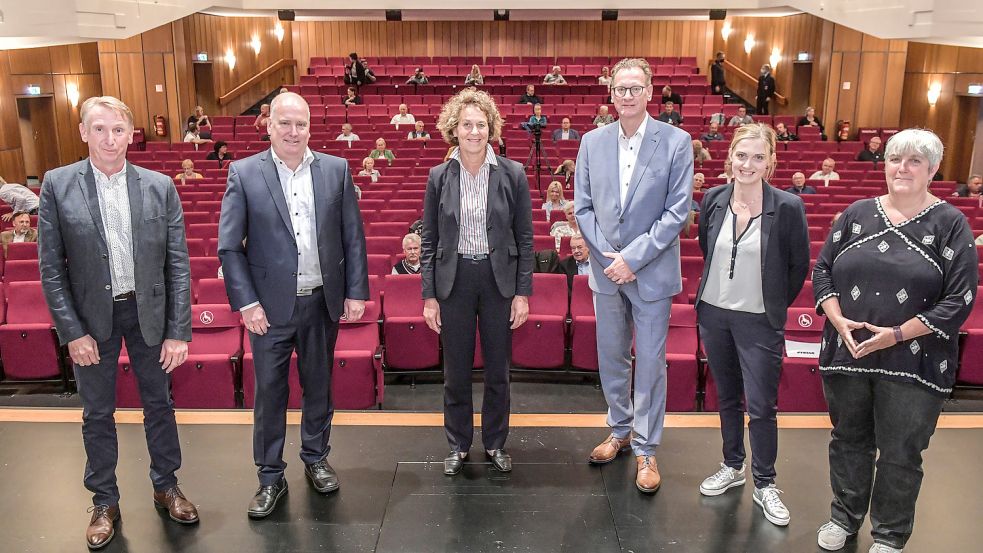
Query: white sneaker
[
  {"x": 881, "y": 548},
  {"x": 771, "y": 505},
  {"x": 832, "y": 536},
  {"x": 722, "y": 480}
]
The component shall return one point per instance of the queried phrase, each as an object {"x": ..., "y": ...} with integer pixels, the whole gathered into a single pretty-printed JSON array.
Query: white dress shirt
[
  {"x": 298, "y": 190},
  {"x": 114, "y": 207},
  {"x": 473, "y": 236},
  {"x": 18, "y": 237},
  {"x": 400, "y": 119},
  {"x": 628, "y": 154}
]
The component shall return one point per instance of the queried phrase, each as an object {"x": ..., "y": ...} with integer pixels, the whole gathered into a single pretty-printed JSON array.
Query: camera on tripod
[{"x": 536, "y": 129}]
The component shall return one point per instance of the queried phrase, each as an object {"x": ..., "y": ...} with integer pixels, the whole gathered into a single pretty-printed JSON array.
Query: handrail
[
  {"x": 780, "y": 99},
  {"x": 241, "y": 89}
]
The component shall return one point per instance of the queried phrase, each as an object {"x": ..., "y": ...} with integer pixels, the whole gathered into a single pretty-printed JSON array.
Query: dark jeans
[
  {"x": 897, "y": 419},
  {"x": 476, "y": 304},
  {"x": 745, "y": 356},
  {"x": 97, "y": 390}
]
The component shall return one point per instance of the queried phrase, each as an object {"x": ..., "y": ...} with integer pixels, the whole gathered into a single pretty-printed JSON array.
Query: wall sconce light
[
  {"x": 749, "y": 43},
  {"x": 934, "y": 92},
  {"x": 230, "y": 58},
  {"x": 725, "y": 30},
  {"x": 776, "y": 56},
  {"x": 278, "y": 31},
  {"x": 256, "y": 44},
  {"x": 73, "y": 94}
]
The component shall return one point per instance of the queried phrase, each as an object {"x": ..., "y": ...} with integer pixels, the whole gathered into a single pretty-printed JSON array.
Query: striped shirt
[
  {"x": 114, "y": 206},
  {"x": 473, "y": 237}
]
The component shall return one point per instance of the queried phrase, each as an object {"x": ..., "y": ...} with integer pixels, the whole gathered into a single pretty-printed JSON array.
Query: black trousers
[
  {"x": 870, "y": 414},
  {"x": 476, "y": 304},
  {"x": 745, "y": 357},
  {"x": 761, "y": 105},
  {"x": 97, "y": 390},
  {"x": 313, "y": 334}
]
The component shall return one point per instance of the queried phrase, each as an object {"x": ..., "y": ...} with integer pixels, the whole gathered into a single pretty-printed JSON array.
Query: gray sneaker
[
  {"x": 722, "y": 480},
  {"x": 881, "y": 548},
  {"x": 832, "y": 536},
  {"x": 771, "y": 505}
]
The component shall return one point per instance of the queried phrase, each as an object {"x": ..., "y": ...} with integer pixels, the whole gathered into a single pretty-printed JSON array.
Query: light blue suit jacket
[{"x": 645, "y": 230}]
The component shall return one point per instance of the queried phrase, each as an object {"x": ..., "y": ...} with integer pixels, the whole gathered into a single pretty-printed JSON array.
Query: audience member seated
[
  {"x": 537, "y": 119},
  {"x": 474, "y": 77},
  {"x": 282, "y": 90},
  {"x": 699, "y": 181},
  {"x": 972, "y": 189},
  {"x": 346, "y": 134},
  {"x": 810, "y": 120},
  {"x": 20, "y": 198},
  {"x": 410, "y": 264},
  {"x": 669, "y": 96},
  {"x": 605, "y": 78},
  {"x": 530, "y": 96},
  {"x": 826, "y": 173},
  {"x": 566, "y": 171},
  {"x": 565, "y": 228},
  {"x": 554, "y": 76},
  {"x": 700, "y": 154},
  {"x": 603, "y": 117},
  {"x": 220, "y": 153},
  {"x": 728, "y": 171},
  {"x": 194, "y": 137},
  {"x": 670, "y": 115},
  {"x": 188, "y": 171},
  {"x": 554, "y": 198},
  {"x": 404, "y": 117},
  {"x": 872, "y": 152},
  {"x": 369, "y": 74},
  {"x": 199, "y": 118},
  {"x": 418, "y": 133},
  {"x": 369, "y": 170},
  {"x": 713, "y": 133},
  {"x": 263, "y": 118},
  {"x": 842, "y": 130},
  {"x": 350, "y": 98},
  {"x": 21, "y": 231},
  {"x": 418, "y": 77},
  {"x": 565, "y": 132},
  {"x": 799, "y": 185},
  {"x": 741, "y": 119},
  {"x": 381, "y": 151},
  {"x": 782, "y": 134},
  {"x": 579, "y": 261}
]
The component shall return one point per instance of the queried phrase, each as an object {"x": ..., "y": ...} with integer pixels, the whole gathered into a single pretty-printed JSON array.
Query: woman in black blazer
[
  {"x": 755, "y": 243},
  {"x": 477, "y": 265}
]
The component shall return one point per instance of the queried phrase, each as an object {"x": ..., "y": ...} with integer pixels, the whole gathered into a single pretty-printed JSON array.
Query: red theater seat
[
  {"x": 207, "y": 379},
  {"x": 583, "y": 328},
  {"x": 800, "y": 387},
  {"x": 410, "y": 344},
  {"x": 681, "y": 361},
  {"x": 28, "y": 344},
  {"x": 541, "y": 342}
]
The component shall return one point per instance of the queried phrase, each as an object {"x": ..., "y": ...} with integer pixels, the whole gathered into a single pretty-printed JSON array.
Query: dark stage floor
[{"x": 394, "y": 497}]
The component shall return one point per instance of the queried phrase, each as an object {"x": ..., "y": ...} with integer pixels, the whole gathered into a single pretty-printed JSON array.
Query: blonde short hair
[
  {"x": 107, "y": 102},
  {"x": 450, "y": 114},
  {"x": 558, "y": 186},
  {"x": 760, "y": 131},
  {"x": 629, "y": 63},
  {"x": 187, "y": 164},
  {"x": 412, "y": 237}
]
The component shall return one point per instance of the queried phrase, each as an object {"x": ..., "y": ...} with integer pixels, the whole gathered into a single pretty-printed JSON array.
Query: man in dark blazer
[
  {"x": 579, "y": 261},
  {"x": 293, "y": 254},
  {"x": 22, "y": 231},
  {"x": 565, "y": 132},
  {"x": 95, "y": 216},
  {"x": 766, "y": 90}
]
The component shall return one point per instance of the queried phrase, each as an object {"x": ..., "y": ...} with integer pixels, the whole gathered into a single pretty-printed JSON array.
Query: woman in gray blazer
[{"x": 755, "y": 243}]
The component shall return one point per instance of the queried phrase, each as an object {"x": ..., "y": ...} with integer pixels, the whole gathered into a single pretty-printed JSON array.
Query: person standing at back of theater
[
  {"x": 95, "y": 215},
  {"x": 293, "y": 253},
  {"x": 632, "y": 199}
]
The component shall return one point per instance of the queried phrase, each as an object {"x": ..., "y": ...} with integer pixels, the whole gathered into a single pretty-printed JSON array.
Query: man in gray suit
[
  {"x": 634, "y": 188},
  {"x": 95, "y": 215},
  {"x": 293, "y": 254}
]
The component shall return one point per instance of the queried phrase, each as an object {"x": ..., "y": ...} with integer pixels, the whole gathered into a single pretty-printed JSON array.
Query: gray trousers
[{"x": 620, "y": 318}]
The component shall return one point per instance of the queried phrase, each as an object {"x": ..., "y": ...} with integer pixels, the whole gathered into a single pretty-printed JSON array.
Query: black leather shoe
[
  {"x": 266, "y": 498},
  {"x": 501, "y": 460},
  {"x": 454, "y": 463},
  {"x": 322, "y": 476}
]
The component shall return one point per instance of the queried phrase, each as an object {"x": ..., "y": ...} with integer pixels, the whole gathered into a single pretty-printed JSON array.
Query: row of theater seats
[{"x": 545, "y": 61}]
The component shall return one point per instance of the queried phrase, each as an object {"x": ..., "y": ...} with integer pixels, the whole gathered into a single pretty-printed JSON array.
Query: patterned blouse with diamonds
[{"x": 885, "y": 274}]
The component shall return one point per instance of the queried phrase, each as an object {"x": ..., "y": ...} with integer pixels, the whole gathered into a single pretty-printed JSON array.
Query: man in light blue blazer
[{"x": 634, "y": 187}]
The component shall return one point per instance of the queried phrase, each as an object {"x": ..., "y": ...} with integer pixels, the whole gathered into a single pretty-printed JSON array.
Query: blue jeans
[{"x": 870, "y": 414}]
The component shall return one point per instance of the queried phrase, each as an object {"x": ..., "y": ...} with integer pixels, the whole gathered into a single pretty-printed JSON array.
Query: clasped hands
[
  {"x": 883, "y": 336},
  {"x": 618, "y": 271}
]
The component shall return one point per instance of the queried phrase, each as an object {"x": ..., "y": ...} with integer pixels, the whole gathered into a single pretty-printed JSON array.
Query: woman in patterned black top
[{"x": 896, "y": 278}]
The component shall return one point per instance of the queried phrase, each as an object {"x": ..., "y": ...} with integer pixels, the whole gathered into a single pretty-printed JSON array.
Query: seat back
[
  {"x": 25, "y": 303},
  {"x": 215, "y": 329},
  {"x": 403, "y": 296},
  {"x": 549, "y": 294}
]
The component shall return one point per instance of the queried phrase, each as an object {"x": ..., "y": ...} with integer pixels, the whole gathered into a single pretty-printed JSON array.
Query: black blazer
[
  {"x": 766, "y": 86},
  {"x": 509, "y": 229},
  {"x": 567, "y": 266},
  {"x": 784, "y": 245}
]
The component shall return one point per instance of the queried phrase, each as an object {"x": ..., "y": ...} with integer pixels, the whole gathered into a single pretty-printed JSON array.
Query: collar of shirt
[
  {"x": 304, "y": 164},
  {"x": 639, "y": 133},
  {"x": 489, "y": 155},
  {"x": 107, "y": 180}
]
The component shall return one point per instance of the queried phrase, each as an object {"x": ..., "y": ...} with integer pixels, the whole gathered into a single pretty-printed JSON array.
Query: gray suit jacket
[
  {"x": 74, "y": 256},
  {"x": 646, "y": 229}
]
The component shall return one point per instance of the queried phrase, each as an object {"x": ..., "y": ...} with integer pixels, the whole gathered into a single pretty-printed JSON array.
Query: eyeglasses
[{"x": 622, "y": 91}]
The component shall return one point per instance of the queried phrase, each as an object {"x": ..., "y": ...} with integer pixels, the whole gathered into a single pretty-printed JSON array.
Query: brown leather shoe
[
  {"x": 101, "y": 527},
  {"x": 647, "y": 479},
  {"x": 178, "y": 508},
  {"x": 609, "y": 449}
]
